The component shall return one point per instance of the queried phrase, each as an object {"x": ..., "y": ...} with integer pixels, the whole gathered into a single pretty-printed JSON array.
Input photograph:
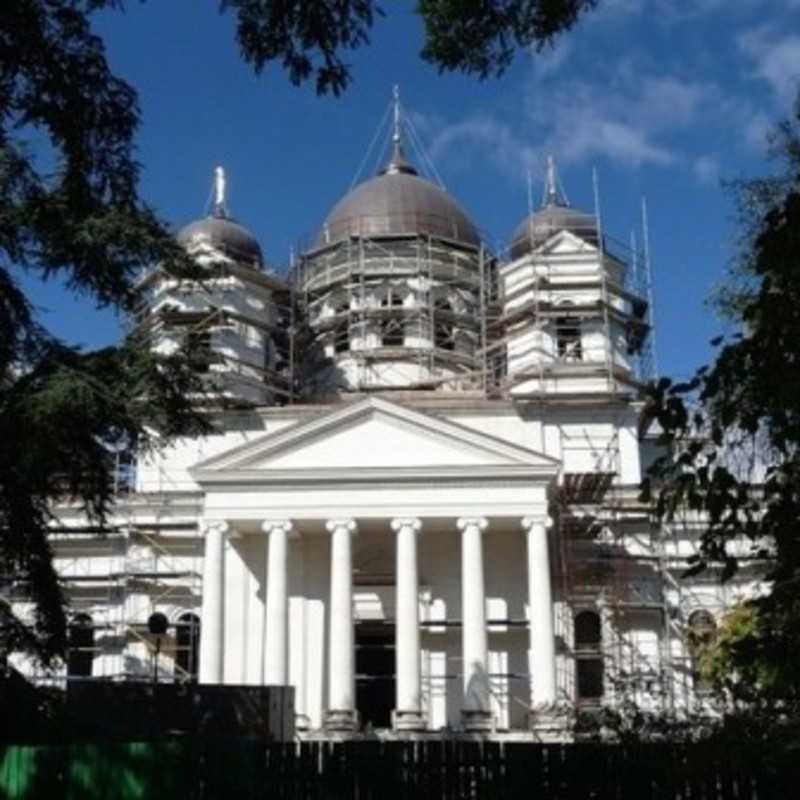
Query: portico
[{"x": 458, "y": 517}]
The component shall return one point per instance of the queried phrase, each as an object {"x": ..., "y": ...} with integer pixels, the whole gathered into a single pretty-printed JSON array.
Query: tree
[
  {"x": 63, "y": 411},
  {"x": 748, "y": 401},
  {"x": 310, "y": 38}
]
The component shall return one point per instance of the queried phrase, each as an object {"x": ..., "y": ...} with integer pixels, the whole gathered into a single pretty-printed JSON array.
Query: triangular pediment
[
  {"x": 565, "y": 242},
  {"x": 374, "y": 434}
]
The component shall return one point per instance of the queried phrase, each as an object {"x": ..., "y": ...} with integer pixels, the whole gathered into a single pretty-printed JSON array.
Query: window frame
[{"x": 588, "y": 654}]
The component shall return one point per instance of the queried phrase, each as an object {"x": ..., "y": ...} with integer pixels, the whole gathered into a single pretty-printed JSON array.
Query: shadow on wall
[{"x": 476, "y": 695}]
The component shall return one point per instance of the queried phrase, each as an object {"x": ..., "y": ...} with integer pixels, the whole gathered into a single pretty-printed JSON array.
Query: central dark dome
[{"x": 396, "y": 202}]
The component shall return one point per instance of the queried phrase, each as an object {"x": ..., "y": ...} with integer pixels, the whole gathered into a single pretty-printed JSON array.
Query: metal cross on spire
[
  {"x": 396, "y": 134},
  {"x": 220, "y": 209},
  {"x": 553, "y": 191},
  {"x": 398, "y": 163}
]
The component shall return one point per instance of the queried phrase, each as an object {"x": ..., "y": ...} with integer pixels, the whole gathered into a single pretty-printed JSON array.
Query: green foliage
[
  {"x": 482, "y": 38},
  {"x": 733, "y": 441},
  {"x": 307, "y": 38},
  {"x": 737, "y": 665},
  {"x": 62, "y": 411},
  {"x": 312, "y": 38}
]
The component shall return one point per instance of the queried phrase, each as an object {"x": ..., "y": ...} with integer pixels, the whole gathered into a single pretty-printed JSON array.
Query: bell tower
[
  {"x": 571, "y": 316},
  {"x": 229, "y": 320}
]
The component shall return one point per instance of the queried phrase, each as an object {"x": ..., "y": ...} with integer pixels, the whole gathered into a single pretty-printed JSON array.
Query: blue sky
[{"x": 664, "y": 98}]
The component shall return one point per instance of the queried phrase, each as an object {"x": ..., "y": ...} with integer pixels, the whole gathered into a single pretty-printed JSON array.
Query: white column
[
  {"x": 476, "y": 714},
  {"x": 408, "y": 708},
  {"x": 276, "y": 618},
  {"x": 540, "y": 602},
  {"x": 298, "y": 630},
  {"x": 212, "y": 623},
  {"x": 341, "y": 713}
]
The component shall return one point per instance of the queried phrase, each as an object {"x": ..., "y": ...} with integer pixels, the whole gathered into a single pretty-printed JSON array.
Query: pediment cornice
[{"x": 273, "y": 458}]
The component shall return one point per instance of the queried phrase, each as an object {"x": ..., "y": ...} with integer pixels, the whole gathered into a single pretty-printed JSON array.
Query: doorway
[{"x": 375, "y": 673}]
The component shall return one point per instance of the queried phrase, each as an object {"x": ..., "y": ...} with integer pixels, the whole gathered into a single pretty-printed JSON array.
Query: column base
[
  {"x": 344, "y": 721},
  {"x": 548, "y": 724},
  {"x": 409, "y": 721},
  {"x": 477, "y": 721},
  {"x": 302, "y": 722}
]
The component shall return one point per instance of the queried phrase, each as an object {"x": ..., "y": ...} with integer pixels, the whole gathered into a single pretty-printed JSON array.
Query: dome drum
[
  {"x": 402, "y": 332},
  {"x": 356, "y": 259}
]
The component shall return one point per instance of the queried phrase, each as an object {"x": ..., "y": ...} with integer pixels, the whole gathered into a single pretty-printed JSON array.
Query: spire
[
  {"x": 398, "y": 163},
  {"x": 553, "y": 192},
  {"x": 396, "y": 134},
  {"x": 220, "y": 207}
]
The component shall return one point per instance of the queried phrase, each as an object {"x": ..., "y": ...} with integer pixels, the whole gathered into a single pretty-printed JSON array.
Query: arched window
[
  {"x": 187, "y": 646},
  {"x": 392, "y": 327},
  {"x": 341, "y": 330},
  {"x": 443, "y": 325},
  {"x": 702, "y": 631},
  {"x": 588, "y": 656},
  {"x": 80, "y": 646},
  {"x": 569, "y": 346}
]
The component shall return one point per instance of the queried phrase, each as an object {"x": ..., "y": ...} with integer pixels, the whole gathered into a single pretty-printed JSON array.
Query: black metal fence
[{"x": 239, "y": 769}]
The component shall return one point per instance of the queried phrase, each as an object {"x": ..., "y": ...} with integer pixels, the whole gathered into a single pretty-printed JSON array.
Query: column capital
[
  {"x": 215, "y": 525},
  {"x": 269, "y": 525},
  {"x": 414, "y": 523},
  {"x": 336, "y": 524},
  {"x": 536, "y": 519},
  {"x": 465, "y": 523}
]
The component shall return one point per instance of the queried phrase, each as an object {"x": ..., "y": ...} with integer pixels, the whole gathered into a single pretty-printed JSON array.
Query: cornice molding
[{"x": 239, "y": 460}]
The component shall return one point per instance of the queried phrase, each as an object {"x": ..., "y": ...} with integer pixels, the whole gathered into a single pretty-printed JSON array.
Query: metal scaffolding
[{"x": 413, "y": 299}]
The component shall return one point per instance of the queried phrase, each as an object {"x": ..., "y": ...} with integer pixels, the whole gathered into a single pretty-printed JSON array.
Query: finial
[
  {"x": 398, "y": 162},
  {"x": 530, "y": 193},
  {"x": 220, "y": 209},
  {"x": 553, "y": 194},
  {"x": 396, "y": 135}
]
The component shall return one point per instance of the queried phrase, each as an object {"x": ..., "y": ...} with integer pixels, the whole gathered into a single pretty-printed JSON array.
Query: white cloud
[
  {"x": 667, "y": 12},
  {"x": 776, "y": 60},
  {"x": 669, "y": 102},
  {"x": 706, "y": 168},
  {"x": 627, "y": 119},
  {"x": 757, "y": 131},
  {"x": 551, "y": 59},
  {"x": 507, "y": 149},
  {"x": 616, "y": 140}
]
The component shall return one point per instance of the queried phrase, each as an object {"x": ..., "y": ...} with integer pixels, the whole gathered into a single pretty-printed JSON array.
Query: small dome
[
  {"x": 541, "y": 225},
  {"x": 555, "y": 215},
  {"x": 228, "y": 236},
  {"x": 395, "y": 202}
]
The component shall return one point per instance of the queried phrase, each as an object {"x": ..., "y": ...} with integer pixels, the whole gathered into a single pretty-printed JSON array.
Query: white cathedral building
[{"x": 419, "y": 507}]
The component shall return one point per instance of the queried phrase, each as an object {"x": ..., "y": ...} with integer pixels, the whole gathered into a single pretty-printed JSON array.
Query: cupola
[
  {"x": 221, "y": 232},
  {"x": 555, "y": 215}
]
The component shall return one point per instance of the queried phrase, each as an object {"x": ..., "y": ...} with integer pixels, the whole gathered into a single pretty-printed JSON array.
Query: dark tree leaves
[
  {"x": 312, "y": 39},
  {"x": 733, "y": 439},
  {"x": 63, "y": 412},
  {"x": 481, "y": 38}
]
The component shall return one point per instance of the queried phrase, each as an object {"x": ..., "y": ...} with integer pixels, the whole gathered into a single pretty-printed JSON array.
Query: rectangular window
[{"x": 589, "y": 678}]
